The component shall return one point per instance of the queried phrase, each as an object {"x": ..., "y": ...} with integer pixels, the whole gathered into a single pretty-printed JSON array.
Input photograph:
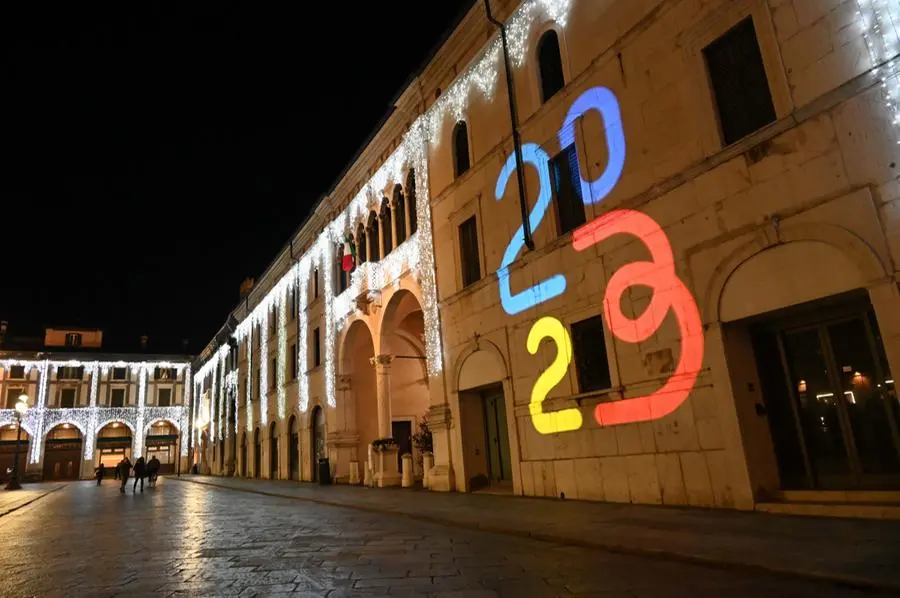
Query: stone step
[{"x": 856, "y": 510}]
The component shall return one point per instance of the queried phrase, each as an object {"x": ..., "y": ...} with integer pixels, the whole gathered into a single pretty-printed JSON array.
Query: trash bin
[{"x": 324, "y": 471}]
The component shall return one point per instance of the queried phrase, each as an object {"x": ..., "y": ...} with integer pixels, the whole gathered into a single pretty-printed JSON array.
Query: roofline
[{"x": 69, "y": 355}]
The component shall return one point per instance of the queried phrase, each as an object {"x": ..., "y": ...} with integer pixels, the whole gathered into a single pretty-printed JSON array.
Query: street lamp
[{"x": 21, "y": 409}]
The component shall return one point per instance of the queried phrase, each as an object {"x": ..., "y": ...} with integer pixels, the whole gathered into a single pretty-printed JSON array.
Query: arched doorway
[
  {"x": 162, "y": 443},
  {"x": 273, "y": 451},
  {"x": 402, "y": 331},
  {"x": 243, "y": 454},
  {"x": 8, "y": 435},
  {"x": 294, "y": 450},
  {"x": 62, "y": 453},
  {"x": 113, "y": 445},
  {"x": 257, "y": 451},
  {"x": 318, "y": 440},
  {"x": 360, "y": 404}
]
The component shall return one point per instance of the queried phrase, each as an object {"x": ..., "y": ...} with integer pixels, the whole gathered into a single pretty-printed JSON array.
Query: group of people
[{"x": 142, "y": 469}]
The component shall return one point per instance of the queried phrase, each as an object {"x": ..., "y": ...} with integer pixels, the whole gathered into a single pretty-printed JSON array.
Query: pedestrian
[
  {"x": 124, "y": 470},
  {"x": 140, "y": 472},
  {"x": 101, "y": 471},
  {"x": 152, "y": 470}
]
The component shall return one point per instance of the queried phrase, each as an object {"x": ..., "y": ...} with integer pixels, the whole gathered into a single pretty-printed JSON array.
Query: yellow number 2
[{"x": 565, "y": 420}]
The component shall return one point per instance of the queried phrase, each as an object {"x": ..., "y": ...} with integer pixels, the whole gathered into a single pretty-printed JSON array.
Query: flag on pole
[{"x": 349, "y": 255}]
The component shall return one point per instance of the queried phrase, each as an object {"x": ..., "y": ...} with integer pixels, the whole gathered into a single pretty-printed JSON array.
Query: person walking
[
  {"x": 152, "y": 470},
  {"x": 124, "y": 470},
  {"x": 140, "y": 472},
  {"x": 101, "y": 471}
]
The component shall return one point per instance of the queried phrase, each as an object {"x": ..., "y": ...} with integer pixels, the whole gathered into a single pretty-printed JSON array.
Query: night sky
[{"x": 156, "y": 155}]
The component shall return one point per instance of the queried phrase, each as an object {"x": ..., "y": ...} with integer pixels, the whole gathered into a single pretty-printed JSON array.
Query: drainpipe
[{"x": 514, "y": 118}]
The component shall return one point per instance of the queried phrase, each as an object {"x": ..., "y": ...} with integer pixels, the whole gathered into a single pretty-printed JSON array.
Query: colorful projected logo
[{"x": 669, "y": 293}]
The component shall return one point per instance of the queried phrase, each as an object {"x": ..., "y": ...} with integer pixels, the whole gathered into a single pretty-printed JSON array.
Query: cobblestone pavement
[
  {"x": 11, "y": 500},
  {"x": 194, "y": 540}
]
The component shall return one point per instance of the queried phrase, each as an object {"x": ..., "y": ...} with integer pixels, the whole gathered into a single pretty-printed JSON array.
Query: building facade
[
  {"x": 87, "y": 407},
  {"x": 678, "y": 287}
]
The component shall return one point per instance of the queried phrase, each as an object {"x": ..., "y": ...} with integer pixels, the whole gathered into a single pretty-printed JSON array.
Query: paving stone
[{"x": 182, "y": 539}]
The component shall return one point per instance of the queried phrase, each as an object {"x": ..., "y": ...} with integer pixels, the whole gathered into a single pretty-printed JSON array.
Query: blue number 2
[
  {"x": 556, "y": 284},
  {"x": 602, "y": 100}
]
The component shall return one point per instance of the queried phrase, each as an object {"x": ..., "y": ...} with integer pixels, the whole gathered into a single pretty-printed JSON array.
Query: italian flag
[{"x": 349, "y": 255}]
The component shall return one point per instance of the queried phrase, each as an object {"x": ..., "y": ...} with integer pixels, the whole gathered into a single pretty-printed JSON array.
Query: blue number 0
[
  {"x": 603, "y": 101},
  {"x": 556, "y": 284}
]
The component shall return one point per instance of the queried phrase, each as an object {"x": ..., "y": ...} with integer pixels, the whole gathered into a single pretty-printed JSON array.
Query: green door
[{"x": 497, "y": 441}]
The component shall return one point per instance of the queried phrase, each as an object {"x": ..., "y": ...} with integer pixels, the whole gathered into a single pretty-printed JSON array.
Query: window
[
  {"x": 166, "y": 373},
  {"x": 550, "y": 68},
  {"x": 411, "y": 201},
  {"x": 460, "y": 148},
  {"x": 120, "y": 374},
  {"x": 387, "y": 232},
  {"x": 258, "y": 383},
  {"x": 317, "y": 358},
  {"x": 341, "y": 277},
  {"x": 589, "y": 346},
  {"x": 243, "y": 393},
  {"x": 372, "y": 234},
  {"x": 164, "y": 397},
  {"x": 117, "y": 397},
  {"x": 739, "y": 82},
  {"x": 566, "y": 181},
  {"x": 12, "y": 397},
  {"x": 292, "y": 301},
  {"x": 70, "y": 373},
  {"x": 273, "y": 321},
  {"x": 468, "y": 252},
  {"x": 315, "y": 278},
  {"x": 273, "y": 377},
  {"x": 67, "y": 398},
  {"x": 400, "y": 211},
  {"x": 293, "y": 362},
  {"x": 361, "y": 255},
  {"x": 17, "y": 371},
  {"x": 73, "y": 339}
]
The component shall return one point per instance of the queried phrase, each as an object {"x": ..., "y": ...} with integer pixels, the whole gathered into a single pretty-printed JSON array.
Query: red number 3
[{"x": 669, "y": 292}]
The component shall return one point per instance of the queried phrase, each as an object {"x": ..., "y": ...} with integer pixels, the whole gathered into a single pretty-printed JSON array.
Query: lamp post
[{"x": 21, "y": 409}]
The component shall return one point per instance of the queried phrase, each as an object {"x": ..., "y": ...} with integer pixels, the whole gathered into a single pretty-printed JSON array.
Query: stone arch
[
  {"x": 115, "y": 420},
  {"x": 398, "y": 307},
  {"x": 855, "y": 249},
  {"x": 481, "y": 362},
  {"x": 53, "y": 425},
  {"x": 531, "y": 58},
  {"x": 156, "y": 420},
  {"x": 356, "y": 407}
]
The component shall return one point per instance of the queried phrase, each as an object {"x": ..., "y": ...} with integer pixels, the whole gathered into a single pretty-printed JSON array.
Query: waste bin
[{"x": 324, "y": 471}]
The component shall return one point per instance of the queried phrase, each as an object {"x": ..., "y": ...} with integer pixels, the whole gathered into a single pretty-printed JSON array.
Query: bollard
[
  {"x": 407, "y": 479},
  {"x": 427, "y": 464},
  {"x": 354, "y": 472},
  {"x": 368, "y": 479}
]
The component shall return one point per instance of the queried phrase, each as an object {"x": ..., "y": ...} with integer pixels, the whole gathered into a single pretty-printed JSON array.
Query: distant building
[{"x": 88, "y": 407}]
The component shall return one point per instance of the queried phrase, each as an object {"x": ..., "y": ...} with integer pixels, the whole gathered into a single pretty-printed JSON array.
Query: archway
[
  {"x": 62, "y": 453},
  {"x": 257, "y": 452},
  {"x": 361, "y": 408},
  {"x": 293, "y": 450},
  {"x": 273, "y": 451},
  {"x": 402, "y": 334},
  {"x": 318, "y": 440},
  {"x": 243, "y": 454},
  {"x": 113, "y": 444},
  {"x": 162, "y": 443},
  {"x": 8, "y": 435}
]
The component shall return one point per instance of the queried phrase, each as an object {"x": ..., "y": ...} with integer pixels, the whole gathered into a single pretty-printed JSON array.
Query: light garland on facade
[
  {"x": 281, "y": 339},
  {"x": 185, "y": 426},
  {"x": 138, "y": 442},
  {"x": 880, "y": 20},
  {"x": 223, "y": 399},
  {"x": 249, "y": 378},
  {"x": 418, "y": 255},
  {"x": 264, "y": 367}
]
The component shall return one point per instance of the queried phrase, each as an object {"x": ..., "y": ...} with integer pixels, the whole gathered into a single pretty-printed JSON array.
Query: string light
[
  {"x": 264, "y": 367},
  {"x": 282, "y": 351},
  {"x": 185, "y": 410},
  {"x": 879, "y": 21},
  {"x": 416, "y": 254}
]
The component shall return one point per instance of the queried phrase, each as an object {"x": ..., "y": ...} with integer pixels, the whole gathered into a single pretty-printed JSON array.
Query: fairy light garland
[
  {"x": 138, "y": 441},
  {"x": 281, "y": 339},
  {"x": 264, "y": 367},
  {"x": 184, "y": 427},
  {"x": 880, "y": 20},
  {"x": 417, "y": 252}
]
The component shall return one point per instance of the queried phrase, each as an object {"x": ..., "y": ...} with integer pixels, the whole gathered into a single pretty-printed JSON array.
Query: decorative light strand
[
  {"x": 327, "y": 255},
  {"x": 303, "y": 326},
  {"x": 92, "y": 422},
  {"x": 281, "y": 339},
  {"x": 187, "y": 404},
  {"x": 264, "y": 368},
  {"x": 213, "y": 399},
  {"x": 880, "y": 20},
  {"x": 138, "y": 440},
  {"x": 38, "y": 415},
  {"x": 250, "y": 378},
  {"x": 223, "y": 402}
]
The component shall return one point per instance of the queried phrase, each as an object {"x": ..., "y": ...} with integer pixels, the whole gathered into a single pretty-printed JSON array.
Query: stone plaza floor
[{"x": 194, "y": 539}]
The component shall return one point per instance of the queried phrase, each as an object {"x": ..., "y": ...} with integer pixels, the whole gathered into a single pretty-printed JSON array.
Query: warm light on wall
[{"x": 669, "y": 293}]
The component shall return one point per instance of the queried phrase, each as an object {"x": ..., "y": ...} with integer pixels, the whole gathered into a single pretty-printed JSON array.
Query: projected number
[
  {"x": 556, "y": 284},
  {"x": 565, "y": 420},
  {"x": 669, "y": 292},
  {"x": 603, "y": 101}
]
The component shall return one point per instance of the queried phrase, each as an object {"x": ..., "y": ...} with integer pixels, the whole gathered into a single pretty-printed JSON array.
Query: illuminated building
[
  {"x": 89, "y": 407},
  {"x": 706, "y": 316}
]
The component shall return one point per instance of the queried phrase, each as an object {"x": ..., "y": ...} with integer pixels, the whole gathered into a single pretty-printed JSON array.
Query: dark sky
[{"x": 155, "y": 155}]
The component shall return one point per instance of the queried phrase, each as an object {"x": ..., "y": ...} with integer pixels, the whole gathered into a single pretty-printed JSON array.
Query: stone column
[{"x": 382, "y": 365}]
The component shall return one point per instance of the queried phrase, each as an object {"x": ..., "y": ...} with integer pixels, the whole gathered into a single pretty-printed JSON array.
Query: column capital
[{"x": 381, "y": 361}]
